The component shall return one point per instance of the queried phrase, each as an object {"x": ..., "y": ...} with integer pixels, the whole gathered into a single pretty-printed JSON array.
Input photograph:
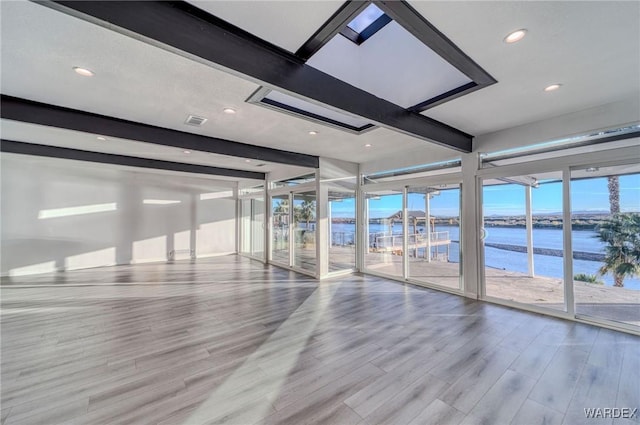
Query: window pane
[
  {"x": 384, "y": 230},
  {"x": 304, "y": 219},
  {"x": 524, "y": 262},
  {"x": 245, "y": 226},
  {"x": 434, "y": 243},
  {"x": 257, "y": 227},
  {"x": 606, "y": 281},
  {"x": 365, "y": 18},
  {"x": 280, "y": 229},
  {"x": 342, "y": 229}
]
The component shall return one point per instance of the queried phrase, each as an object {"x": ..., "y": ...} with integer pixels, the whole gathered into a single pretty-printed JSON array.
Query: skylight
[
  {"x": 366, "y": 18},
  {"x": 311, "y": 111},
  {"x": 366, "y": 24},
  {"x": 408, "y": 63}
]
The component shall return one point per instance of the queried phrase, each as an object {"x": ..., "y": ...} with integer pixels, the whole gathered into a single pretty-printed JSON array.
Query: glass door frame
[
  {"x": 241, "y": 230},
  {"x": 404, "y": 185},
  {"x": 290, "y": 191},
  {"x": 351, "y": 270},
  {"x": 601, "y": 321},
  {"x": 567, "y": 276},
  {"x": 565, "y": 164}
]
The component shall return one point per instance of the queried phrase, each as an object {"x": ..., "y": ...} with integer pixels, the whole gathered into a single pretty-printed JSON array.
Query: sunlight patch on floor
[{"x": 245, "y": 397}]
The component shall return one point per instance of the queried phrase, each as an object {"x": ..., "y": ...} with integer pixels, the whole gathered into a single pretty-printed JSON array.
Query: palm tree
[
  {"x": 614, "y": 194},
  {"x": 307, "y": 211},
  {"x": 281, "y": 210},
  {"x": 621, "y": 233}
]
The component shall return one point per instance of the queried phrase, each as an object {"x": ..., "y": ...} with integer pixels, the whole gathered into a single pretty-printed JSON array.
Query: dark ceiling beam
[
  {"x": 18, "y": 109},
  {"x": 423, "y": 30},
  {"x": 195, "y": 32},
  {"x": 11, "y": 146},
  {"x": 331, "y": 28}
]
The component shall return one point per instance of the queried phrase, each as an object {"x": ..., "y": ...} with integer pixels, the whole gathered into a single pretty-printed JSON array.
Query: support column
[
  {"x": 567, "y": 245},
  {"x": 323, "y": 224},
  {"x": 405, "y": 235},
  {"x": 193, "y": 234},
  {"x": 427, "y": 209},
  {"x": 529, "y": 228},
  {"x": 267, "y": 226},
  {"x": 364, "y": 245},
  {"x": 471, "y": 210},
  {"x": 329, "y": 223},
  {"x": 236, "y": 192}
]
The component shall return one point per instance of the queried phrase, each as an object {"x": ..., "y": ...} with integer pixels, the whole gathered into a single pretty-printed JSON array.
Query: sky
[{"x": 590, "y": 195}]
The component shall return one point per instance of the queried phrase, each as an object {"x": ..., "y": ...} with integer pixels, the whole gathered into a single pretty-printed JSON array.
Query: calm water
[{"x": 544, "y": 265}]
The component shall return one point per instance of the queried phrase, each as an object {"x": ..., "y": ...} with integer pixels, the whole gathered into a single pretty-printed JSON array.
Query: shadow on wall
[{"x": 56, "y": 217}]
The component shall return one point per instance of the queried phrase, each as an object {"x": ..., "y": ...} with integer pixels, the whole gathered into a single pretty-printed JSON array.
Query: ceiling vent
[{"x": 195, "y": 120}]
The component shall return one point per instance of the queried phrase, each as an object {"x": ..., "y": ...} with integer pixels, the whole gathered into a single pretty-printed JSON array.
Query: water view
[{"x": 545, "y": 265}]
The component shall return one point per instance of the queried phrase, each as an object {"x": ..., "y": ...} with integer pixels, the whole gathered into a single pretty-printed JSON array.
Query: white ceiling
[
  {"x": 593, "y": 48},
  {"x": 392, "y": 64},
  {"x": 38, "y": 134},
  {"x": 187, "y": 182},
  {"x": 287, "y": 24}
]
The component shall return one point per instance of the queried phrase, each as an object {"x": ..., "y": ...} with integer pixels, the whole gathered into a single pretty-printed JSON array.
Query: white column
[
  {"x": 193, "y": 233},
  {"x": 427, "y": 208},
  {"x": 364, "y": 246},
  {"x": 236, "y": 192},
  {"x": 567, "y": 243},
  {"x": 267, "y": 226},
  {"x": 323, "y": 225},
  {"x": 405, "y": 235},
  {"x": 292, "y": 232},
  {"x": 471, "y": 210},
  {"x": 329, "y": 222},
  {"x": 529, "y": 228}
]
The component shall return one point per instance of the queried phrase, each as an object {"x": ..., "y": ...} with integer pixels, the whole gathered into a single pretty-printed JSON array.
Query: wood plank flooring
[{"x": 228, "y": 340}]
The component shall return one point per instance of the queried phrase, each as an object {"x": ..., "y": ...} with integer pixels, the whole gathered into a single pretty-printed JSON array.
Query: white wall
[
  {"x": 62, "y": 215},
  {"x": 612, "y": 115}
]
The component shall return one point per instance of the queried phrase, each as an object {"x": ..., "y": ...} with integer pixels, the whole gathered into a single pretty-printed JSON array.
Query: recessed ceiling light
[
  {"x": 247, "y": 160},
  {"x": 368, "y": 145},
  {"x": 186, "y": 151},
  {"x": 592, "y": 169},
  {"x": 102, "y": 139},
  {"x": 83, "y": 71},
  {"x": 229, "y": 111},
  {"x": 313, "y": 133},
  {"x": 553, "y": 87},
  {"x": 515, "y": 36}
]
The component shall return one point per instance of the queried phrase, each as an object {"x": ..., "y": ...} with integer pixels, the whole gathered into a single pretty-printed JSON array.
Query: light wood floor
[{"x": 228, "y": 340}]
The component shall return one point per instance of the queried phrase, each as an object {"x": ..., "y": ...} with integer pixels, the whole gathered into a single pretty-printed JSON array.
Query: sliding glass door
[
  {"x": 565, "y": 240},
  {"x": 342, "y": 228},
  {"x": 384, "y": 232},
  {"x": 293, "y": 230},
  {"x": 252, "y": 227},
  {"x": 413, "y": 230},
  {"x": 433, "y": 214},
  {"x": 605, "y": 216},
  {"x": 280, "y": 219},
  {"x": 304, "y": 230},
  {"x": 523, "y": 239}
]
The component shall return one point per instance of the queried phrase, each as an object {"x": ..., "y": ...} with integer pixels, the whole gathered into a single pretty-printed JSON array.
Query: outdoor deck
[{"x": 619, "y": 304}]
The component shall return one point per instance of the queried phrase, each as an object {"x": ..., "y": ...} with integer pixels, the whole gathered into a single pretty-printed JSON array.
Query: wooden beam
[
  {"x": 188, "y": 29},
  {"x": 18, "y": 109},
  {"x": 10, "y": 146}
]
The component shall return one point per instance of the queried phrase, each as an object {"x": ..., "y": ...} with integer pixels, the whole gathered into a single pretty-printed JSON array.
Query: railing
[
  {"x": 383, "y": 241},
  {"x": 174, "y": 253},
  {"x": 343, "y": 238}
]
